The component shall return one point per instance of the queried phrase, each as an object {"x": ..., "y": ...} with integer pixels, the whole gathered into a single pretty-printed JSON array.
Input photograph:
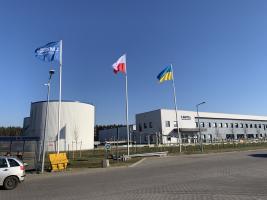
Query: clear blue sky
[{"x": 218, "y": 49}]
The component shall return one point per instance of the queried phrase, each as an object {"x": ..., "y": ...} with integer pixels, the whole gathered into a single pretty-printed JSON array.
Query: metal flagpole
[
  {"x": 59, "y": 103},
  {"x": 175, "y": 103},
  {"x": 127, "y": 125}
]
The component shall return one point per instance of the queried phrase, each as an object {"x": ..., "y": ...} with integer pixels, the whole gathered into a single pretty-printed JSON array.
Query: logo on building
[{"x": 185, "y": 117}]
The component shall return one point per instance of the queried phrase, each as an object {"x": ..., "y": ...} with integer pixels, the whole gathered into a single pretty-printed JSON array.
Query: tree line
[
  {"x": 17, "y": 131},
  {"x": 10, "y": 131}
]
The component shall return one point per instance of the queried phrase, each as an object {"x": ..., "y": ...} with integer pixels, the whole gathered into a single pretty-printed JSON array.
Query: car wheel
[{"x": 11, "y": 182}]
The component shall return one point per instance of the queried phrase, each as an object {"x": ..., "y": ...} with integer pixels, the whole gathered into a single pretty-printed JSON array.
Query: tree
[
  {"x": 258, "y": 132},
  {"x": 245, "y": 132},
  {"x": 217, "y": 133},
  {"x": 232, "y": 131},
  {"x": 10, "y": 131},
  {"x": 76, "y": 135}
]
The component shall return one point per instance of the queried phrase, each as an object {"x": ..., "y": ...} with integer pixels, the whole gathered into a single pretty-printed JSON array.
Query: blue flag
[{"x": 49, "y": 52}]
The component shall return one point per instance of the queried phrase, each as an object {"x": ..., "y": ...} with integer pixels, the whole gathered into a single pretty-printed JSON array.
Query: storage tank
[{"x": 76, "y": 127}]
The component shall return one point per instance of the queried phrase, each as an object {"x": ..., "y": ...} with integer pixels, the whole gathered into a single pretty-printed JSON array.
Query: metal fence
[{"x": 25, "y": 148}]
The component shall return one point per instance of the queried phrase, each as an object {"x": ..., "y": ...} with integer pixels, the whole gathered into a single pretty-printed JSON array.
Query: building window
[
  {"x": 167, "y": 123},
  {"x": 241, "y": 125},
  {"x": 202, "y": 124},
  {"x": 232, "y": 125},
  {"x": 236, "y": 125},
  {"x": 196, "y": 124},
  {"x": 175, "y": 124},
  {"x": 263, "y": 126},
  {"x": 259, "y": 125},
  {"x": 140, "y": 127},
  {"x": 255, "y": 125},
  {"x": 145, "y": 126},
  {"x": 209, "y": 124},
  {"x": 251, "y": 126},
  {"x": 150, "y": 125},
  {"x": 220, "y": 125},
  {"x": 215, "y": 125},
  {"x": 226, "y": 125},
  {"x": 246, "y": 125}
]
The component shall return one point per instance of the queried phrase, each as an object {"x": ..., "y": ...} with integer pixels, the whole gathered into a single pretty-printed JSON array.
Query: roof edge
[{"x": 68, "y": 101}]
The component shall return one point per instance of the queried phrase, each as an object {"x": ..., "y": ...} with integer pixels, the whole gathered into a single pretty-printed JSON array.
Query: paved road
[{"x": 234, "y": 176}]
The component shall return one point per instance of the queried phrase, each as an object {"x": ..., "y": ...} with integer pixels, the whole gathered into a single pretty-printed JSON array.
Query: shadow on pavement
[{"x": 262, "y": 155}]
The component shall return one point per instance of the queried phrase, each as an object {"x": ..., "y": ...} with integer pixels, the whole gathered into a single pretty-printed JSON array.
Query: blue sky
[{"x": 218, "y": 50}]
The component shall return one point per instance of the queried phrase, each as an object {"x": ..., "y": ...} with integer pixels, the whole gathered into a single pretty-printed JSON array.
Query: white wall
[
  {"x": 153, "y": 117},
  {"x": 186, "y": 119},
  {"x": 77, "y": 124}
]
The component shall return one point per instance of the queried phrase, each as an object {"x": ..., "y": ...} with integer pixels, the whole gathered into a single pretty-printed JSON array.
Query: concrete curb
[
  {"x": 137, "y": 163},
  {"x": 214, "y": 153},
  {"x": 78, "y": 171}
]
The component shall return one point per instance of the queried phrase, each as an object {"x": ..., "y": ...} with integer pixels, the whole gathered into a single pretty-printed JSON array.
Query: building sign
[{"x": 185, "y": 117}]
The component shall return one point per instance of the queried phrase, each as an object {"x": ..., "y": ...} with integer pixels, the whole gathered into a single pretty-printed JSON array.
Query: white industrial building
[
  {"x": 160, "y": 126},
  {"x": 76, "y": 124}
]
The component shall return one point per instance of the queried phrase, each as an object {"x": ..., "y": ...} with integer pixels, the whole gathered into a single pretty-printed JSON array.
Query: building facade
[
  {"x": 114, "y": 134},
  {"x": 160, "y": 126}
]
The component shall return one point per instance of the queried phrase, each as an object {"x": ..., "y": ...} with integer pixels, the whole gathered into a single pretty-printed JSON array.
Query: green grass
[
  {"x": 93, "y": 158},
  {"x": 220, "y": 147}
]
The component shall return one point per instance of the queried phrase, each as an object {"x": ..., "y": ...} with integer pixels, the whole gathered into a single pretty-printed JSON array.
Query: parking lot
[{"x": 236, "y": 175}]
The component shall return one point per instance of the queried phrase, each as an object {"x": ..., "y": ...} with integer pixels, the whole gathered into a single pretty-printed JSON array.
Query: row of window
[
  {"x": 149, "y": 125},
  {"x": 231, "y": 125},
  {"x": 210, "y": 125},
  {"x": 168, "y": 123},
  {"x": 145, "y": 126}
]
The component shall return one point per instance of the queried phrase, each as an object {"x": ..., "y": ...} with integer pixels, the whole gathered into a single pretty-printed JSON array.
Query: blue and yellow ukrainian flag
[{"x": 165, "y": 75}]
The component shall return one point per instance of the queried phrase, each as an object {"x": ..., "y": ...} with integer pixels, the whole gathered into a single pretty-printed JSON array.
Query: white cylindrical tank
[{"x": 76, "y": 127}]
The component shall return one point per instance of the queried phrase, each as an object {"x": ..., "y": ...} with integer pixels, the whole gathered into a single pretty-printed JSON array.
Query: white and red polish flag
[{"x": 120, "y": 65}]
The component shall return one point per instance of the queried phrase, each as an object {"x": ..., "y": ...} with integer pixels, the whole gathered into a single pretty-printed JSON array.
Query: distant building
[
  {"x": 160, "y": 126},
  {"x": 111, "y": 135}
]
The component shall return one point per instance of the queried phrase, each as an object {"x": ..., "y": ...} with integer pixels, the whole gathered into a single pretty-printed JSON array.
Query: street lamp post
[
  {"x": 199, "y": 129},
  {"x": 51, "y": 72}
]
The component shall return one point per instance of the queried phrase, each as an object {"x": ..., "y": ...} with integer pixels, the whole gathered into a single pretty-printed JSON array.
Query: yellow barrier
[{"x": 58, "y": 161}]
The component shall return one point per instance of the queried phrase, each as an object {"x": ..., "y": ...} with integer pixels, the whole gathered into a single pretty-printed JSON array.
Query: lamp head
[
  {"x": 51, "y": 72},
  {"x": 201, "y": 103}
]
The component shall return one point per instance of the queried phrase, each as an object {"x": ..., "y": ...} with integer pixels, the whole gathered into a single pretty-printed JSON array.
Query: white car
[{"x": 12, "y": 172}]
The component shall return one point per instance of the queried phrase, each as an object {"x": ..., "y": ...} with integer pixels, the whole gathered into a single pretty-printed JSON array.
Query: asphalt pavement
[{"x": 236, "y": 175}]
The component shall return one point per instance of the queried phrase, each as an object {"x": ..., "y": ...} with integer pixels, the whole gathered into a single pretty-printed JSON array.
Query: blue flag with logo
[{"x": 49, "y": 52}]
